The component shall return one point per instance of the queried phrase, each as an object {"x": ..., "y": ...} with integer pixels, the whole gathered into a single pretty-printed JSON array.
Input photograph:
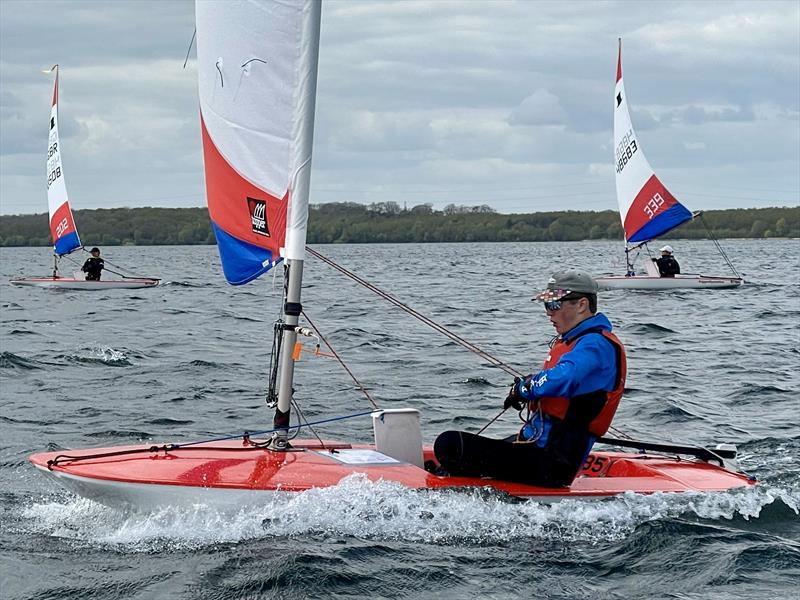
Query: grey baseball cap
[{"x": 564, "y": 283}]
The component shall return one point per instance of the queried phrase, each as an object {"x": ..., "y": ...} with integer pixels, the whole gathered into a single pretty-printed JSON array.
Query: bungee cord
[{"x": 246, "y": 435}]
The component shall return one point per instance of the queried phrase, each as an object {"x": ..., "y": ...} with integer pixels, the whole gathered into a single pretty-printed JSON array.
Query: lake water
[{"x": 188, "y": 360}]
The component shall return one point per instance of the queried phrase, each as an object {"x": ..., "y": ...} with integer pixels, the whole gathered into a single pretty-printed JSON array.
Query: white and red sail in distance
[
  {"x": 647, "y": 208},
  {"x": 257, "y": 70},
  {"x": 62, "y": 225}
]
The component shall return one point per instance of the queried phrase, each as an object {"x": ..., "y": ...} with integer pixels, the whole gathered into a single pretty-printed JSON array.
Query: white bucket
[{"x": 398, "y": 434}]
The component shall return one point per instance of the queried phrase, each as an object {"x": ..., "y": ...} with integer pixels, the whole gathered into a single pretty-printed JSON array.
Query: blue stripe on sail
[
  {"x": 664, "y": 222},
  {"x": 67, "y": 244},
  {"x": 241, "y": 262}
]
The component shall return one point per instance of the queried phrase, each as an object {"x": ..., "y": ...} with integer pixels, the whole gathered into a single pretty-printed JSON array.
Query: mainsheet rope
[
  {"x": 417, "y": 315},
  {"x": 428, "y": 321},
  {"x": 108, "y": 262}
]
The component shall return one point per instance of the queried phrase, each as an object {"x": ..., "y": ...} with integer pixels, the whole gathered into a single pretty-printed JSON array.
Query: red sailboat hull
[{"x": 231, "y": 472}]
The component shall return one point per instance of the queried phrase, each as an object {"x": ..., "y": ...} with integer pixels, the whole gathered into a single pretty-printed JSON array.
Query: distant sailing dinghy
[
  {"x": 257, "y": 64},
  {"x": 62, "y": 225},
  {"x": 647, "y": 209}
]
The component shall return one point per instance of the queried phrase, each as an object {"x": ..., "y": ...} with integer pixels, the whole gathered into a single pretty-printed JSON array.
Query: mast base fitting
[
  {"x": 292, "y": 309},
  {"x": 279, "y": 443}
]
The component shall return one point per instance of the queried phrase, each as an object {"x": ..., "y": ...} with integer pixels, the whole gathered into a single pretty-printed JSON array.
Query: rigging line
[
  {"x": 77, "y": 264},
  {"x": 718, "y": 245},
  {"x": 466, "y": 189},
  {"x": 282, "y": 427},
  {"x": 749, "y": 189},
  {"x": 497, "y": 416},
  {"x": 728, "y": 197},
  {"x": 359, "y": 385},
  {"x": 131, "y": 275},
  {"x": 621, "y": 434},
  {"x": 433, "y": 324},
  {"x": 426, "y": 320},
  {"x": 302, "y": 417},
  {"x": 189, "y": 49},
  {"x": 192, "y": 445}
]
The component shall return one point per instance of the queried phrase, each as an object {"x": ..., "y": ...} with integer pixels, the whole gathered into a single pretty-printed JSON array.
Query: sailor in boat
[
  {"x": 667, "y": 265},
  {"x": 565, "y": 407},
  {"x": 94, "y": 265}
]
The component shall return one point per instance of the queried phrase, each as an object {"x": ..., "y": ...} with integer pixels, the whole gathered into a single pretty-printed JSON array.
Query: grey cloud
[
  {"x": 412, "y": 93},
  {"x": 540, "y": 108}
]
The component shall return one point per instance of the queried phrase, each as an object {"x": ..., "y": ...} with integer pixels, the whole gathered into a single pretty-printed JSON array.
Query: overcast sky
[{"x": 467, "y": 102}]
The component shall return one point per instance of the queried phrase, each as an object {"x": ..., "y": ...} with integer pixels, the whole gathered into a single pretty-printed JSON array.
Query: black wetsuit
[
  {"x": 93, "y": 267},
  {"x": 668, "y": 266}
]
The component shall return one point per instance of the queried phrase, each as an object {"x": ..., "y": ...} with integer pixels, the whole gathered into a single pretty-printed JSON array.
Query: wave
[
  {"x": 648, "y": 328},
  {"x": 478, "y": 382},
  {"x": 98, "y": 355},
  {"x": 121, "y": 433},
  {"x": 166, "y": 421},
  {"x": 382, "y": 510},
  {"x": 9, "y": 360},
  {"x": 239, "y": 317},
  {"x": 185, "y": 284},
  {"x": 22, "y": 332},
  {"x": 201, "y": 363},
  {"x": 751, "y": 389}
]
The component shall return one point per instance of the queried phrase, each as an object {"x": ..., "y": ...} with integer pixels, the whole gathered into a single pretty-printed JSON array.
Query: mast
[{"x": 297, "y": 221}]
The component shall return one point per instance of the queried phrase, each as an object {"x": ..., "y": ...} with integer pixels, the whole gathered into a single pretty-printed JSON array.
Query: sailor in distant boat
[
  {"x": 667, "y": 265},
  {"x": 568, "y": 404},
  {"x": 94, "y": 265}
]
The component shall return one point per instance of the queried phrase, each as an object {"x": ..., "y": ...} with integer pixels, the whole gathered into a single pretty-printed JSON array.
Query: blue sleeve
[{"x": 591, "y": 365}]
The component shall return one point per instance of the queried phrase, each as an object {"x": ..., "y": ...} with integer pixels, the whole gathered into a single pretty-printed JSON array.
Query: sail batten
[
  {"x": 257, "y": 69},
  {"x": 647, "y": 208},
  {"x": 62, "y": 224}
]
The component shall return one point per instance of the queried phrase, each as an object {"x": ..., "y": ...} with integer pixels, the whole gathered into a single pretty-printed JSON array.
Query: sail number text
[
  {"x": 652, "y": 206},
  {"x": 53, "y": 175},
  {"x": 62, "y": 227},
  {"x": 625, "y": 150}
]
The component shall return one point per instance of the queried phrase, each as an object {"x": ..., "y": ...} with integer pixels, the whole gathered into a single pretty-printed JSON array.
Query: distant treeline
[{"x": 349, "y": 222}]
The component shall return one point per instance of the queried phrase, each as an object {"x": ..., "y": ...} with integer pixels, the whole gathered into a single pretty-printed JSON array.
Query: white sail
[
  {"x": 62, "y": 224},
  {"x": 257, "y": 68},
  {"x": 646, "y": 207}
]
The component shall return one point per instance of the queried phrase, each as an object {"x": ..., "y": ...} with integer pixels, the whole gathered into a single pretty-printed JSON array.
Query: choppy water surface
[{"x": 188, "y": 360}]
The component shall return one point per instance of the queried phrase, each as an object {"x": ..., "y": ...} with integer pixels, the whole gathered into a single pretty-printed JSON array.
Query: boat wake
[{"x": 386, "y": 511}]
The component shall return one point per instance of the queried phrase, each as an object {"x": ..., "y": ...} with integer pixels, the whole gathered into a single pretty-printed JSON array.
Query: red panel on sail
[
  {"x": 238, "y": 207},
  {"x": 651, "y": 201},
  {"x": 62, "y": 223}
]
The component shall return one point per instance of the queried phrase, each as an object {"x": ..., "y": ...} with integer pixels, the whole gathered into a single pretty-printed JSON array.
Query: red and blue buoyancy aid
[{"x": 587, "y": 414}]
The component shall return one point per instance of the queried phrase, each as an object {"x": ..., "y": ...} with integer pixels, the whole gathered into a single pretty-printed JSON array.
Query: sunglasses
[{"x": 554, "y": 305}]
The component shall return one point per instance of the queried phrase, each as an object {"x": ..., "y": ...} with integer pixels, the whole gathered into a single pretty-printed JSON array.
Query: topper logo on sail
[{"x": 258, "y": 216}]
